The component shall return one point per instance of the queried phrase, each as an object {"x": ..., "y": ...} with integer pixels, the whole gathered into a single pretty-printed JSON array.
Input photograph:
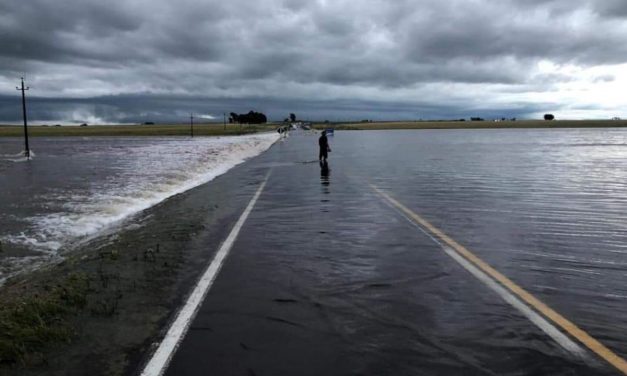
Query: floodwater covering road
[{"x": 333, "y": 274}]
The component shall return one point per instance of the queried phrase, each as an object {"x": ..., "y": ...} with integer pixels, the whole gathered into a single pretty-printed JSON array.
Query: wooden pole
[
  {"x": 26, "y": 147},
  {"x": 191, "y": 123}
]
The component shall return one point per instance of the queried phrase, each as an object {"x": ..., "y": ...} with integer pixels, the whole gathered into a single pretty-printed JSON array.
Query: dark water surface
[
  {"x": 326, "y": 278},
  {"x": 76, "y": 188},
  {"x": 548, "y": 208}
]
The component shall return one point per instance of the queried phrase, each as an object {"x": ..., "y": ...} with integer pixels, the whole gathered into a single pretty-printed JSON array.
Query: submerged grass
[
  {"x": 135, "y": 130},
  {"x": 28, "y": 323}
]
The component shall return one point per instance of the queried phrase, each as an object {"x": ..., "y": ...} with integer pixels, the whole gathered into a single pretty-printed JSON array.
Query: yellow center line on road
[{"x": 566, "y": 325}]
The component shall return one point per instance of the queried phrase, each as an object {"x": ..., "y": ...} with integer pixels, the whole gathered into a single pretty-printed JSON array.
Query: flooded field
[
  {"x": 327, "y": 276},
  {"x": 75, "y": 188}
]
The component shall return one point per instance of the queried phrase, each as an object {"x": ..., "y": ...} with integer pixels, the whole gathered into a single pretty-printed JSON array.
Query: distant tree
[
  {"x": 251, "y": 117},
  {"x": 292, "y": 117},
  {"x": 286, "y": 120},
  {"x": 234, "y": 118},
  {"x": 476, "y": 119},
  {"x": 549, "y": 117},
  {"x": 261, "y": 118}
]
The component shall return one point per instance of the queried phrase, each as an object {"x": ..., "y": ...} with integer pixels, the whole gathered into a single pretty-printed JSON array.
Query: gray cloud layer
[{"x": 432, "y": 57}]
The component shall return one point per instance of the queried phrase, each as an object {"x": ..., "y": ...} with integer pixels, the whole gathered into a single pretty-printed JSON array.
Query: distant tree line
[
  {"x": 251, "y": 117},
  {"x": 292, "y": 118},
  {"x": 482, "y": 119}
]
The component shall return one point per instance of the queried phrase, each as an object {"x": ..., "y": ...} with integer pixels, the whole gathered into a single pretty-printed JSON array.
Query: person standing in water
[{"x": 323, "y": 142}]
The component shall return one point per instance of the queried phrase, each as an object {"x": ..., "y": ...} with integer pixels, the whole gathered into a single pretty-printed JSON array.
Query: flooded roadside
[
  {"x": 326, "y": 274},
  {"x": 117, "y": 290},
  {"x": 77, "y": 188}
]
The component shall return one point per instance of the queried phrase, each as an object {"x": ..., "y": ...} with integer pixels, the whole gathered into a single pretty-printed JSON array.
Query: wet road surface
[{"x": 326, "y": 277}]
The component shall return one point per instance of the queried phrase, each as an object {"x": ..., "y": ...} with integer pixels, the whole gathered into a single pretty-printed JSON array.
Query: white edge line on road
[
  {"x": 532, "y": 315},
  {"x": 164, "y": 353},
  {"x": 548, "y": 328}
]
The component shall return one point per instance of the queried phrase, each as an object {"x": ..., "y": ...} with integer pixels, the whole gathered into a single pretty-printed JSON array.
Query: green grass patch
[
  {"x": 236, "y": 129},
  {"x": 28, "y": 323}
]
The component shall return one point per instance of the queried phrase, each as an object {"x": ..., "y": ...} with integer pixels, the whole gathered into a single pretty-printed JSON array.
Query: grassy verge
[
  {"x": 94, "y": 304},
  {"x": 31, "y": 321},
  {"x": 134, "y": 130},
  {"x": 100, "y": 309},
  {"x": 475, "y": 124}
]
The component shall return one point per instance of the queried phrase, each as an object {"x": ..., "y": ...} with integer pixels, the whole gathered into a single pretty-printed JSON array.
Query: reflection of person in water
[
  {"x": 324, "y": 172},
  {"x": 323, "y": 142}
]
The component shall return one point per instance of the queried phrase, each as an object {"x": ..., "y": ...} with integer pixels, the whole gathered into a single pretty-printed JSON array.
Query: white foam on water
[
  {"x": 146, "y": 175},
  {"x": 19, "y": 157}
]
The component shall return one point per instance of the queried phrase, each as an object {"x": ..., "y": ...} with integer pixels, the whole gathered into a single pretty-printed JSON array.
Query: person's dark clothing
[{"x": 323, "y": 142}]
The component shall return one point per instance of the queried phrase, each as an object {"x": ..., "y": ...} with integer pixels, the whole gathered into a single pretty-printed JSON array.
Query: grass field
[
  {"x": 134, "y": 130},
  {"x": 234, "y": 129},
  {"x": 475, "y": 124}
]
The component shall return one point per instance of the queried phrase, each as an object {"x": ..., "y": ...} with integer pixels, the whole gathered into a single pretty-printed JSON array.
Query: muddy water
[{"x": 76, "y": 188}]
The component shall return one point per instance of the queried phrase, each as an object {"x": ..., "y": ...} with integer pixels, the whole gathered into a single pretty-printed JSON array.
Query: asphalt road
[{"x": 329, "y": 277}]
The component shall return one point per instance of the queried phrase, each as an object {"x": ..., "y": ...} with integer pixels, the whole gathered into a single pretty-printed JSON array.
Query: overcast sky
[{"x": 158, "y": 60}]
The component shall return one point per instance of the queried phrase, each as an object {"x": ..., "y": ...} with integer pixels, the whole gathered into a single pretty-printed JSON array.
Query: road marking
[
  {"x": 161, "y": 358},
  {"x": 511, "y": 292}
]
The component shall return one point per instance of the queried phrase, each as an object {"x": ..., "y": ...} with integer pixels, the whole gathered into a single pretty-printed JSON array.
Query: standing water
[{"x": 77, "y": 187}]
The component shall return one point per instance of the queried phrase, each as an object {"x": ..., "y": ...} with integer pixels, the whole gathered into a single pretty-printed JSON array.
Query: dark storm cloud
[
  {"x": 561, "y": 31},
  {"x": 612, "y": 8},
  {"x": 301, "y": 52},
  {"x": 176, "y": 109},
  {"x": 40, "y": 30}
]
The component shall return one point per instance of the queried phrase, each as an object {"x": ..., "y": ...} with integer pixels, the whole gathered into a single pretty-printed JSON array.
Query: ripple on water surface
[{"x": 75, "y": 188}]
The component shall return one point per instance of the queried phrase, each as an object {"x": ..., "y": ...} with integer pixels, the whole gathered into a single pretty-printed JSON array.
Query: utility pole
[
  {"x": 224, "y": 114},
  {"x": 191, "y": 123},
  {"x": 26, "y": 148}
]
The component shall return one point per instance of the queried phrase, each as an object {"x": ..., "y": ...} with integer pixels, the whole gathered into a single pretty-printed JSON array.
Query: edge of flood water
[{"x": 99, "y": 310}]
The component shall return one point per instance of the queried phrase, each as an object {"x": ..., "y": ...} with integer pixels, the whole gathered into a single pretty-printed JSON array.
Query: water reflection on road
[
  {"x": 343, "y": 284},
  {"x": 325, "y": 173}
]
